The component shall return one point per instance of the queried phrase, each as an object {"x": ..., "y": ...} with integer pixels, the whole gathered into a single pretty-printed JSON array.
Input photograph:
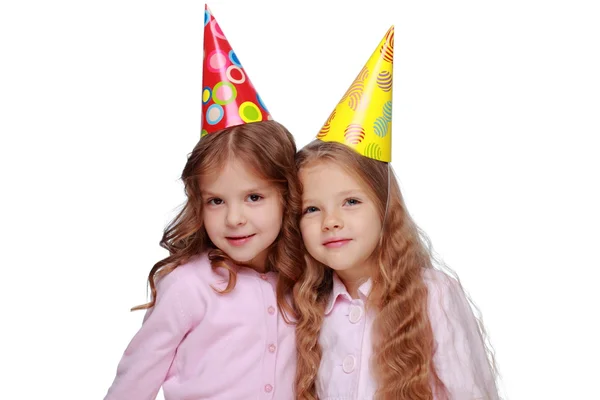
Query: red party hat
[{"x": 228, "y": 96}]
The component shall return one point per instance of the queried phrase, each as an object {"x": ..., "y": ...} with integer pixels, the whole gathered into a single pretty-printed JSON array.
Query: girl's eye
[
  {"x": 352, "y": 202},
  {"x": 215, "y": 202},
  {"x": 254, "y": 198},
  {"x": 310, "y": 209}
]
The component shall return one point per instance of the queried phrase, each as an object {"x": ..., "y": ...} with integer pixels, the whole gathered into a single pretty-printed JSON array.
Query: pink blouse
[
  {"x": 198, "y": 344},
  {"x": 460, "y": 356}
]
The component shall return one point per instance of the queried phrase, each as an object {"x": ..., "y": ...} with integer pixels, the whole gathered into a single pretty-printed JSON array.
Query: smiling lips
[
  {"x": 335, "y": 242},
  {"x": 239, "y": 240}
]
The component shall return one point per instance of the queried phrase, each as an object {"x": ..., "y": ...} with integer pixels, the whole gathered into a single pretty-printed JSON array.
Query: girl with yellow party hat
[
  {"x": 218, "y": 322},
  {"x": 376, "y": 319}
]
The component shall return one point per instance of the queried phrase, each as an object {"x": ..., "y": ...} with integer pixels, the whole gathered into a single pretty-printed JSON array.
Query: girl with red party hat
[
  {"x": 375, "y": 318},
  {"x": 218, "y": 323}
]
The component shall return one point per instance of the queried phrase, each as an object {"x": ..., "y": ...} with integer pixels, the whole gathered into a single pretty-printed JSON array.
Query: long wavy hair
[
  {"x": 268, "y": 149},
  {"x": 403, "y": 342}
]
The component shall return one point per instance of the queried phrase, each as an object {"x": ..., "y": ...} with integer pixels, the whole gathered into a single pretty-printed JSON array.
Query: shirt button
[
  {"x": 272, "y": 348},
  {"x": 355, "y": 314},
  {"x": 349, "y": 364},
  {"x": 271, "y": 310},
  {"x": 263, "y": 277},
  {"x": 268, "y": 388}
]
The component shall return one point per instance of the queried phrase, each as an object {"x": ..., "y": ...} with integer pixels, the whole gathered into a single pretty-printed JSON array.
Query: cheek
[
  {"x": 310, "y": 232},
  {"x": 276, "y": 221},
  {"x": 373, "y": 230},
  {"x": 370, "y": 221},
  {"x": 303, "y": 228},
  {"x": 209, "y": 218},
  {"x": 270, "y": 217},
  {"x": 370, "y": 225}
]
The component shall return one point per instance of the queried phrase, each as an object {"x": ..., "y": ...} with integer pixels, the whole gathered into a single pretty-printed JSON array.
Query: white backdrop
[{"x": 495, "y": 143}]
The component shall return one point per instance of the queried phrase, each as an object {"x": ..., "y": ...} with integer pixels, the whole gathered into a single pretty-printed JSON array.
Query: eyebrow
[
  {"x": 260, "y": 189},
  {"x": 351, "y": 192},
  {"x": 345, "y": 193}
]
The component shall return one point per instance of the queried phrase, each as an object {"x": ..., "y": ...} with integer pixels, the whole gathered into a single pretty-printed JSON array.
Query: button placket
[{"x": 268, "y": 375}]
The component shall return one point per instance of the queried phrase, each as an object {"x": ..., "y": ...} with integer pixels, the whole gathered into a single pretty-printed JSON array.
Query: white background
[{"x": 496, "y": 120}]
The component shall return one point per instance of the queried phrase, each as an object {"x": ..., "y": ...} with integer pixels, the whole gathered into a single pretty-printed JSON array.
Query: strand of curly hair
[
  {"x": 403, "y": 343},
  {"x": 272, "y": 157}
]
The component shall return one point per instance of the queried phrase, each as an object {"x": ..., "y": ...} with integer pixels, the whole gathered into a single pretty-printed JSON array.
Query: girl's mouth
[{"x": 239, "y": 240}]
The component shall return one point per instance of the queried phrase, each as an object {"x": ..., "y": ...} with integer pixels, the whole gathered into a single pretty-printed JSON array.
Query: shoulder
[
  {"x": 187, "y": 279},
  {"x": 439, "y": 284},
  {"x": 196, "y": 268},
  {"x": 446, "y": 297},
  {"x": 184, "y": 289}
]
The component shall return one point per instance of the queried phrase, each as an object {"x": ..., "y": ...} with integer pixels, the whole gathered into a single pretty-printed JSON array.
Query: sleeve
[
  {"x": 148, "y": 357},
  {"x": 460, "y": 356}
]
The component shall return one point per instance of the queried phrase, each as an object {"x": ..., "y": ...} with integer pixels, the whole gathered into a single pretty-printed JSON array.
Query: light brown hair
[
  {"x": 268, "y": 148},
  {"x": 403, "y": 344}
]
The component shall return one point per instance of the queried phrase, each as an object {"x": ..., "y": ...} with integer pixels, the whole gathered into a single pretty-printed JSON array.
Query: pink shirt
[
  {"x": 198, "y": 344},
  {"x": 460, "y": 356}
]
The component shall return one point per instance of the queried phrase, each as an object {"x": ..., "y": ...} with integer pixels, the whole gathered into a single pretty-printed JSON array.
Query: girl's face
[
  {"x": 242, "y": 213},
  {"x": 340, "y": 224}
]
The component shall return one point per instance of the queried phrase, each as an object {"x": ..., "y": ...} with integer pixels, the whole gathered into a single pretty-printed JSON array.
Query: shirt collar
[{"x": 339, "y": 289}]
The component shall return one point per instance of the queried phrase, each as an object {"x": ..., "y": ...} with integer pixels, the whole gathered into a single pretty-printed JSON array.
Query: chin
[
  {"x": 338, "y": 266},
  {"x": 346, "y": 265},
  {"x": 242, "y": 258}
]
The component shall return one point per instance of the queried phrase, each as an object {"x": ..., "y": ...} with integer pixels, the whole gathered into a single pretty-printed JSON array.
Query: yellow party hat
[{"x": 363, "y": 117}]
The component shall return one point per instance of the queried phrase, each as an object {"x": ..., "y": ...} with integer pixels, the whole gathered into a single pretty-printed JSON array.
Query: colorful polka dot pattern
[
  {"x": 228, "y": 96},
  {"x": 362, "y": 119}
]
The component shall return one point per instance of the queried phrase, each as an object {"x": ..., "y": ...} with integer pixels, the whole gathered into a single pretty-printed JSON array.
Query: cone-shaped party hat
[
  {"x": 363, "y": 117},
  {"x": 228, "y": 96}
]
